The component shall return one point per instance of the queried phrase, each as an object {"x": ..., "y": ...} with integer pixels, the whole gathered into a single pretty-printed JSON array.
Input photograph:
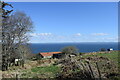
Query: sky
[
  {"x": 61, "y": 0},
  {"x": 56, "y": 22}
]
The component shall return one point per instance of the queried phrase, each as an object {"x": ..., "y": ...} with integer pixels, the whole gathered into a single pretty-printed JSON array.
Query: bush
[
  {"x": 69, "y": 50},
  {"x": 102, "y": 49},
  {"x": 81, "y": 53}
]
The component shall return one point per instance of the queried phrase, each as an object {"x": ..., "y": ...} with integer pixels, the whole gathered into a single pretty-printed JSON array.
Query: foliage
[
  {"x": 102, "y": 49},
  {"x": 71, "y": 69},
  {"x": 88, "y": 67},
  {"x": 38, "y": 57},
  {"x": 113, "y": 55},
  {"x": 80, "y": 53},
  {"x": 91, "y": 67},
  {"x": 69, "y": 50}
]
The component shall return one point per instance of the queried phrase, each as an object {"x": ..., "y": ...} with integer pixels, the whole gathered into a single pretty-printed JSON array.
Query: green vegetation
[
  {"x": 99, "y": 63},
  {"x": 80, "y": 53},
  {"x": 102, "y": 49},
  {"x": 72, "y": 67},
  {"x": 41, "y": 72},
  {"x": 46, "y": 69},
  {"x": 112, "y": 55},
  {"x": 70, "y": 50}
]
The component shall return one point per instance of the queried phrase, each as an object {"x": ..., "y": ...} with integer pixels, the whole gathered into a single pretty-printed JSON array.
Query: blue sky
[{"x": 71, "y": 21}]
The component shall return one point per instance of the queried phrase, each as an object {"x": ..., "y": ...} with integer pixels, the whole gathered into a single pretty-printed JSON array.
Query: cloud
[
  {"x": 112, "y": 38},
  {"x": 99, "y": 34},
  {"x": 40, "y": 34},
  {"x": 45, "y": 34},
  {"x": 78, "y": 34}
]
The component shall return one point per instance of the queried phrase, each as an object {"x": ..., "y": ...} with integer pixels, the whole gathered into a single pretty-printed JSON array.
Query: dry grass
[{"x": 11, "y": 73}]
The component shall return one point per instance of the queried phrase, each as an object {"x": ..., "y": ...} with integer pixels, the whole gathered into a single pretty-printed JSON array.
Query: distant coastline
[
  {"x": 70, "y": 42},
  {"x": 82, "y": 46}
]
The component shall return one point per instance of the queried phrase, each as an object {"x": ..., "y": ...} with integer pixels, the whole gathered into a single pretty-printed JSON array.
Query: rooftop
[{"x": 49, "y": 53}]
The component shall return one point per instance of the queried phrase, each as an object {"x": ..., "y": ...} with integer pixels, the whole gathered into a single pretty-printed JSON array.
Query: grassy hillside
[
  {"x": 41, "y": 72},
  {"x": 45, "y": 68},
  {"x": 113, "y": 55}
]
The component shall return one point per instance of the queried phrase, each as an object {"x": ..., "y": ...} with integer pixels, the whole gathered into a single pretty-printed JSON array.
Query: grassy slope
[
  {"x": 41, "y": 72},
  {"x": 51, "y": 70},
  {"x": 112, "y": 55}
]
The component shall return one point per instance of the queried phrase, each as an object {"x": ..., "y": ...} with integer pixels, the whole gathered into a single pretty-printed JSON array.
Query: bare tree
[
  {"x": 23, "y": 52},
  {"x": 4, "y": 14},
  {"x": 16, "y": 28}
]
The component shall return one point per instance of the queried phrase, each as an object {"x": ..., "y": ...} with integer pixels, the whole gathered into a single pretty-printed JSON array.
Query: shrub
[{"x": 102, "y": 49}]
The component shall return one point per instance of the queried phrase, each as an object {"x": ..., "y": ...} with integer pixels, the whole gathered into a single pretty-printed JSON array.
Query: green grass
[
  {"x": 112, "y": 55},
  {"x": 46, "y": 69},
  {"x": 52, "y": 70},
  {"x": 41, "y": 72}
]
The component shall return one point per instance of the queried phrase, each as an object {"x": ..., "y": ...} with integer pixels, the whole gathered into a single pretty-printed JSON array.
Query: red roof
[{"x": 49, "y": 53}]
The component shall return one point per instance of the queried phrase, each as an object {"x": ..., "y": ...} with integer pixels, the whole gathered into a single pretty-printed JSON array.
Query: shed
[
  {"x": 111, "y": 49},
  {"x": 49, "y": 54}
]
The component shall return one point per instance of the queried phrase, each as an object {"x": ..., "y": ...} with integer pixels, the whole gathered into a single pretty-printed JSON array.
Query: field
[
  {"x": 49, "y": 68},
  {"x": 110, "y": 55}
]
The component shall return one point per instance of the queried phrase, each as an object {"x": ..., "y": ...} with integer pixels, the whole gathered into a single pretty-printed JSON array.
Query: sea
[{"x": 83, "y": 47}]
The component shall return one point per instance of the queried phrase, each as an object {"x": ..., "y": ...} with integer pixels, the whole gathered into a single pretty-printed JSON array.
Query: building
[
  {"x": 111, "y": 49},
  {"x": 60, "y": 55},
  {"x": 50, "y": 54}
]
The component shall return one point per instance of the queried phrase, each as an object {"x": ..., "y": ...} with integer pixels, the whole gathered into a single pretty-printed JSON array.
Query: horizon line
[{"x": 78, "y": 42}]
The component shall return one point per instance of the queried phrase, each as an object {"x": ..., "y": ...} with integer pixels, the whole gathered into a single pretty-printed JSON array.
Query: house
[
  {"x": 46, "y": 55},
  {"x": 59, "y": 55},
  {"x": 111, "y": 49},
  {"x": 72, "y": 55},
  {"x": 49, "y": 54},
  {"x": 18, "y": 61}
]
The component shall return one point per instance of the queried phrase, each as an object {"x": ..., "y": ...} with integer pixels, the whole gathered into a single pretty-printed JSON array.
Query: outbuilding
[
  {"x": 111, "y": 49},
  {"x": 50, "y": 54}
]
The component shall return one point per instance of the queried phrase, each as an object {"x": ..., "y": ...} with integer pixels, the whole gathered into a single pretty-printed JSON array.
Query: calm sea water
[{"x": 83, "y": 47}]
